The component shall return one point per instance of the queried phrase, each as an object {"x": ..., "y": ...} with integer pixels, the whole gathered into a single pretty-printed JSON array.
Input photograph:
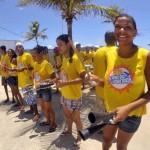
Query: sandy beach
[{"x": 18, "y": 131}]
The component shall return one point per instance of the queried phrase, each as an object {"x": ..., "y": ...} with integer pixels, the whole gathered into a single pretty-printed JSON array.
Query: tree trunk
[
  {"x": 69, "y": 26},
  {"x": 36, "y": 41}
]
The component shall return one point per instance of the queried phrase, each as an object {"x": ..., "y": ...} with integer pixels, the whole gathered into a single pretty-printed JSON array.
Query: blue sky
[{"x": 86, "y": 30}]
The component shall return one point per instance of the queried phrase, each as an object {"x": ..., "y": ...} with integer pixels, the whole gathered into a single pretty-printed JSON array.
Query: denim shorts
[
  {"x": 72, "y": 104},
  {"x": 45, "y": 94},
  {"x": 130, "y": 124},
  {"x": 13, "y": 80}
]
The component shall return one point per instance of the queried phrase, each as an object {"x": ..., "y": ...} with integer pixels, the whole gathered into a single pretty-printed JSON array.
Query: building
[{"x": 9, "y": 44}]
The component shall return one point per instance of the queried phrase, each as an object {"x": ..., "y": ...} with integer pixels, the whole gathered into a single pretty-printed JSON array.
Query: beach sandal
[
  {"x": 44, "y": 123},
  {"x": 77, "y": 142},
  {"x": 52, "y": 128},
  {"x": 6, "y": 101},
  {"x": 22, "y": 108},
  {"x": 29, "y": 112},
  {"x": 36, "y": 118},
  {"x": 65, "y": 133},
  {"x": 13, "y": 101},
  {"x": 16, "y": 105}
]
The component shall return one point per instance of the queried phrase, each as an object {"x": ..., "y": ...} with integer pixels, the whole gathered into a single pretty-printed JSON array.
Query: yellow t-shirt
[
  {"x": 5, "y": 62},
  {"x": 25, "y": 60},
  {"x": 13, "y": 73},
  {"x": 46, "y": 57},
  {"x": 87, "y": 58},
  {"x": 125, "y": 80},
  {"x": 82, "y": 55},
  {"x": 71, "y": 71},
  {"x": 42, "y": 71},
  {"x": 99, "y": 66}
]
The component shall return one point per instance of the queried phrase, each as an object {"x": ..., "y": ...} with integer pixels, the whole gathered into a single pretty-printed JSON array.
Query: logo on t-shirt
[
  {"x": 20, "y": 65},
  {"x": 63, "y": 75},
  {"x": 120, "y": 78},
  {"x": 37, "y": 76}
]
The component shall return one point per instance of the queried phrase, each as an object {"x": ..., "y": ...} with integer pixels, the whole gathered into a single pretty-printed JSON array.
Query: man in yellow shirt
[
  {"x": 100, "y": 67},
  {"x": 25, "y": 65},
  {"x": 5, "y": 62},
  {"x": 78, "y": 47},
  {"x": 87, "y": 56}
]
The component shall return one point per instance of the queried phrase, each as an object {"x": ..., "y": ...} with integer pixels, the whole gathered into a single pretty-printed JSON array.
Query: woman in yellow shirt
[
  {"x": 72, "y": 75},
  {"x": 127, "y": 72},
  {"x": 43, "y": 71},
  {"x": 13, "y": 78}
]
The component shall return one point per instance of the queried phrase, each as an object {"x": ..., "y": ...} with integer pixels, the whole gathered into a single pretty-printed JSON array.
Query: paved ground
[{"x": 19, "y": 132}]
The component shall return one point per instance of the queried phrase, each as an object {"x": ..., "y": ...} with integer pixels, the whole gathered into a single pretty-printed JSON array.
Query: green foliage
[
  {"x": 70, "y": 9},
  {"x": 35, "y": 33}
]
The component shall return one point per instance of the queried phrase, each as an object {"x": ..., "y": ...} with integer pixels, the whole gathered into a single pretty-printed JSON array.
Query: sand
[{"x": 19, "y": 132}]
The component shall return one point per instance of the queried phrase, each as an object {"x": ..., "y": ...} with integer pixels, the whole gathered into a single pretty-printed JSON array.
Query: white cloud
[
  {"x": 20, "y": 8},
  {"x": 49, "y": 46}
]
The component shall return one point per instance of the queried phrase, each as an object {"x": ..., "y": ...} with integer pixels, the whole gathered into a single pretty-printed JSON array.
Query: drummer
[
  {"x": 43, "y": 72},
  {"x": 25, "y": 69}
]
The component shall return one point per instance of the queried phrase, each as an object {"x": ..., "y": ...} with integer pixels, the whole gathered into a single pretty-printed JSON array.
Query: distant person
[
  {"x": 5, "y": 62},
  {"x": 78, "y": 47},
  {"x": 127, "y": 71},
  {"x": 72, "y": 75},
  {"x": 82, "y": 54},
  {"x": 45, "y": 53},
  {"x": 25, "y": 65},
  {"x": 99, "y": 67},
  {"x": 58, "y": 58},
  {"x": 87, "y": 59}
]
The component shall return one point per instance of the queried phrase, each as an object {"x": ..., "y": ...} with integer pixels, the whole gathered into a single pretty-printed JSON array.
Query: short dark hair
[
  {"x": 109, "y": 37},
  {"x": 3, "y": 47},
  {"x": 38, "y": 49},
  {"x": 128, "y": 16}
]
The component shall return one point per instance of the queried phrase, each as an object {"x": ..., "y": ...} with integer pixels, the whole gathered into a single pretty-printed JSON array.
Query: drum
[{"x": 45, "y": 85}]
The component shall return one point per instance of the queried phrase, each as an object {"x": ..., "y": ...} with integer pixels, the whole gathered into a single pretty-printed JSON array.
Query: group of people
[{"x": 120, "y": 71}]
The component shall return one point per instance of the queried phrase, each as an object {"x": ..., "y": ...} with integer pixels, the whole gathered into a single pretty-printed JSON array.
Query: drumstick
[{"x": 29, "y": 86}]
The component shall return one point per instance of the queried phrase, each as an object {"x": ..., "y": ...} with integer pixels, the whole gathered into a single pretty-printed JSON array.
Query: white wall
[{"x": 9, "y": 44}]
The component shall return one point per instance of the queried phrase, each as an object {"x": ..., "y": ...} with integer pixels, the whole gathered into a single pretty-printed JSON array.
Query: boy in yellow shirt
[
  {"x": 5, "y": 62},
  {"x": 25, "y": 68}
]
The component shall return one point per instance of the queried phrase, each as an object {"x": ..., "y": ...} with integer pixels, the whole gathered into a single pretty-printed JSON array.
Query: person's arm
[
  {"x": 122, "y": 112},
  {"x": 79, "y": 80},
  {"x": 97, "y": 80}
]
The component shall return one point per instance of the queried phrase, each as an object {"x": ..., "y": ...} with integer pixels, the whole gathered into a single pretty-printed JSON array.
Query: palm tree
[
  {"x": 71, "y": 8},
  {"x": 35, "y": 33}
]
